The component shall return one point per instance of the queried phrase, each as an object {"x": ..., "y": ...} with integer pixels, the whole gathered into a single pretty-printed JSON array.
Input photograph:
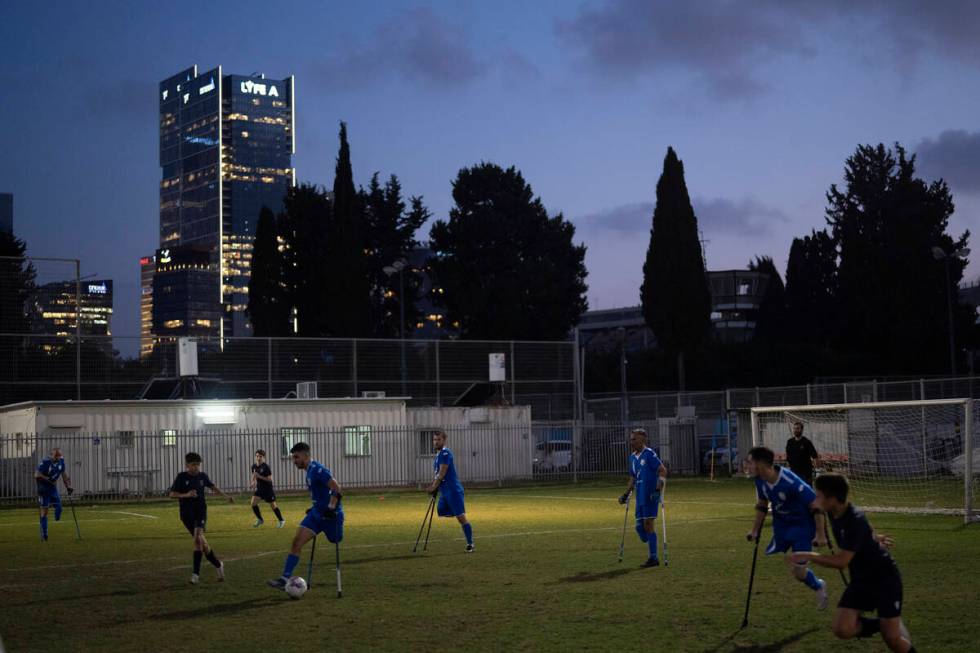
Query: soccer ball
[{"x": 296, "y": 587}]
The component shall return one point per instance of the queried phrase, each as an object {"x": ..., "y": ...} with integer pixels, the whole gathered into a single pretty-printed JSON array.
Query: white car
[{"x": 553, "y": 456}]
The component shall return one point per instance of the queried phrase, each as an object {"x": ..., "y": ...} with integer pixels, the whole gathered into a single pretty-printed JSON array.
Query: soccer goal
[{"x": 901, "y": 456}]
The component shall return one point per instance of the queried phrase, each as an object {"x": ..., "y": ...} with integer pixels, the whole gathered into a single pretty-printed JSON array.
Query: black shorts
[
  {"x": 266, "y": 494},
  {"x": 193, "y": 519},
  {"x": 883, "y": 596}
]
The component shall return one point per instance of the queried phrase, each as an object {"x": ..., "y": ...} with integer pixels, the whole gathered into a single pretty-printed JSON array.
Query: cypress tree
[{"x": 674, "y": 295}]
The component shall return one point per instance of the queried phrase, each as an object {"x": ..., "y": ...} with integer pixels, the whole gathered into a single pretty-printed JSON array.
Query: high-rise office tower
[
  {"x": 148, "y": 265},
  {"x": 226, "y": 146}
]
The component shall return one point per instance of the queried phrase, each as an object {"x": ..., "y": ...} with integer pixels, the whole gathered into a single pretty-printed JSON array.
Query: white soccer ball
[{"x": 296, "y": 587}]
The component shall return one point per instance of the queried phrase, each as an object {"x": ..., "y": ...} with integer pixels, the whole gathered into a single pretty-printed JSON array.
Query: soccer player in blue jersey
[
  {"x": 325, "y": 516},
  {"x": 876, "y": 585},
  {"x": 189, "y": 486},
  {"x": 450, "y": 490},
  {"x": 647, "y": 477},
  {"x": 48, "y": 472},
  {"x": 797, "y": 520}
]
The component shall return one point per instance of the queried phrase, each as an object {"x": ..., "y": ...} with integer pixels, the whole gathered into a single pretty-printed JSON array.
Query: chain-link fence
[
  {"x": 137, "y": 465},
  {"x": 429, "y": 372}
]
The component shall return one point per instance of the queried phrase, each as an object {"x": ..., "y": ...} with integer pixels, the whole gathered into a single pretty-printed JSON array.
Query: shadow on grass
[
  {"x": 364, "y": 561},
  {"x": 220, "y": 609},
  {"x": 775, "y": 647},
  {"x": 586, "y": 577},
  {"x": 98, "y": 595}
]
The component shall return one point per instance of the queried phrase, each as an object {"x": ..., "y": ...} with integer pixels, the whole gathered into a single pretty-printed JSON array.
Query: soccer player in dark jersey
[
  {"x": 801, "y": 454},
  {"x": 326, "y": 515},
  {"x": 796, "y": 516},
  {"x": 189, "y": 487},
  {"x": 647, "y": 476},
  {"x": 449, "y": 487},
  {"x": 875, "y": 585},
  {"x": 48, "y": 472},
  {"x": 262, "y": 480}
]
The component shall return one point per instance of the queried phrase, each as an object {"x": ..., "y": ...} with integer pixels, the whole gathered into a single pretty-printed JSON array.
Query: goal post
[{"x": 900, "y": 456}]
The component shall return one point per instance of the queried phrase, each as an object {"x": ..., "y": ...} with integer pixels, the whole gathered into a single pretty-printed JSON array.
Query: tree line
[
  {"x": 506, "y": 269},
  {"x": 866, "y": 295}
]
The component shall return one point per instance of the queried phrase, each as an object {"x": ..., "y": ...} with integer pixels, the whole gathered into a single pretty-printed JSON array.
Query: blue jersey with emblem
[
  {"x": 645, "y": 469},
  {"x": 318, "y": 480},
  {"x": 450, "y": 482},
  {"x": 790, "y": 498},
  {"x": 53, "y": 470}
]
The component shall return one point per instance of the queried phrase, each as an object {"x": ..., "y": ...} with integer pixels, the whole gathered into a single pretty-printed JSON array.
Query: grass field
[{"x": 544, "y": 578}]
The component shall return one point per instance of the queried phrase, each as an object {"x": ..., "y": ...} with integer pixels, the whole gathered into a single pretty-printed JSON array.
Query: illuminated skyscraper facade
[{"x": 226, "y": 146}]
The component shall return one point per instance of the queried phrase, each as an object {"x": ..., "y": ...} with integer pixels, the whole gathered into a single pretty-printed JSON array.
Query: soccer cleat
[
  {"x": 221, "y": 572},
  {"x": 278, "y": 583},
  {"x": 822, "y": 596},
  {"x": 282, "y": 522},
  {"x": 470, "y": 548},
  {"x": 258, "y": 522},
  {"x": 194, "y": 579},
  {"x": 651, "y": 562}
]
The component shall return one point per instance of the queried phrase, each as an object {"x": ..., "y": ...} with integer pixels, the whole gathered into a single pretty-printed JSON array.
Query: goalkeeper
[
  {"x": 647, "y": 477},
  {"x": 876, "y": 585}
]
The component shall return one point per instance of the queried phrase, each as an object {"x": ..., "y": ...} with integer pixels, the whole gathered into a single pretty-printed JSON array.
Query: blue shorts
[
  {"x": 647, "y": 510},
  {"x": 332, "y": 528},
  {"x": 800, "y": 540},
  {"x": 47, "y": 499},
  {"x": 451, "y": 504}
]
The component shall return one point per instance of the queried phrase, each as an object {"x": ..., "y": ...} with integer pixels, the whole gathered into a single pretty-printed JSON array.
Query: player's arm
[
  {"x": 838, "y": 560},
  {"x": 437, "y": 481},
  {"x": 818, "y": 518},
  {"x": 761, "y": 509},
  {"x": 267, "y": 479},
  {"x": 190, "y": 494},
  {"x": 67, "y": 481},
  {"x": 41, "y": 477},
  {"x": 335, "y": 494},
  {"x": 814, "y": 456},
  {"x": 662, "y": 477},
  {"x": 217, "y": 490}
]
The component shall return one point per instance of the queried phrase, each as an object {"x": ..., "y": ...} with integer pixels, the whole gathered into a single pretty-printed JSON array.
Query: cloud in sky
[
  {"x": 954, "y": 155},
  {"x": 725, "y": 44},
  {"x": 746, "y": 217},
  {"x": 420, "y": 46}
]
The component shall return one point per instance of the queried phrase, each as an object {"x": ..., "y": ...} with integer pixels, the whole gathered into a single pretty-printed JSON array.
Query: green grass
[{"x": 544, "y": 578}]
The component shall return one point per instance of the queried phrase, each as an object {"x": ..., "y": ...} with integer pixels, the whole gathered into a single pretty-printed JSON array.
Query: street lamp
[
  {"x": 398, "y": 267},
  {"x": 940, "y": 254}
]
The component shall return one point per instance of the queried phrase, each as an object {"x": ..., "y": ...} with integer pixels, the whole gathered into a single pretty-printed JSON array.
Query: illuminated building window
[
  {"x": 244, "y": 134},
  {"x": 173, "y": 324},
  {"x": 199, "y": 322}
]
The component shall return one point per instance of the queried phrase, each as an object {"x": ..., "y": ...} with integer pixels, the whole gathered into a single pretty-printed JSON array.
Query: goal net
[{"x": 915, "y": 456}]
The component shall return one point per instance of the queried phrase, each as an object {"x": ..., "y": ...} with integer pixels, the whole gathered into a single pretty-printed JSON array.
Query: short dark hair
[
  {"x": 833, "y": 485},
  {"x": 762, "y": 455},
  {"x": 261, "y": 452},
  {"x": 193, "y": 457},
  {"x": 798, "y": 423},
  {"x": 300, "y": 447}
]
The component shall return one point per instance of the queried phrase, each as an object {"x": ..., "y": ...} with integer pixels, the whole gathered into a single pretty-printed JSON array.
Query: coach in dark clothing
[{"x": 801, "y": 454}]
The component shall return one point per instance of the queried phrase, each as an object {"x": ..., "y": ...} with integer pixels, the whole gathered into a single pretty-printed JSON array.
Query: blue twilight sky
[{"x": 762, "y": 100}]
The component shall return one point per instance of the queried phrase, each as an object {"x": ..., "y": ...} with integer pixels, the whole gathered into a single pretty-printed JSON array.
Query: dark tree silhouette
[
  {"x": 508, "y": 269},
  {"x": 675, "y": 296}
]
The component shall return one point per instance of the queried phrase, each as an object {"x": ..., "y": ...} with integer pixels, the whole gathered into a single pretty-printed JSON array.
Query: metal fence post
[
  {"x": 438, "y": 379},
  {"x": 513, "y": 374},
  {"x": 354, "y": 363},
  {"x": 809, "y": 398},
  {"x": 269, "y": 365},
  {"x": 968, "y": 461},
  {"x": 78, "y": 329}
]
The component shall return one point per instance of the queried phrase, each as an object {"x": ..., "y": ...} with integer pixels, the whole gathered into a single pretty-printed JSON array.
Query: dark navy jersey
[
  {"x": 53, "y": 470},
  {"x": 800, "y": 454},
  {"x": 871, "y": 561},
  {"x": 262, "y": 470},
  {"x": 450, "y": 482},
  {"x": 185, "y": 482}
]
